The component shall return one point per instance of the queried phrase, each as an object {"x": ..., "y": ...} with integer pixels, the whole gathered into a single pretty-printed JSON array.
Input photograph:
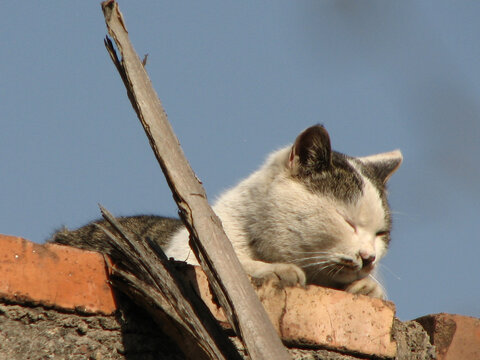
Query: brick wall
[{"x": 56, "y": 285}]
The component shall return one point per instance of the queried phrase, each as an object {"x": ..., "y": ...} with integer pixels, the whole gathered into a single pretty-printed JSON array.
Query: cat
[{"x": 309, "y": 215}]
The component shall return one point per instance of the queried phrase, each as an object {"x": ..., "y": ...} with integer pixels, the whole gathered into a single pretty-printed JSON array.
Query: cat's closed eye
[
  {"x": 352, "y": 225},
  {"x": 382, "y": 233}
]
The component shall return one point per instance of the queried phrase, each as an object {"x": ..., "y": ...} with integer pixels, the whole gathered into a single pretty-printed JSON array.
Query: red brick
[
  {"x": 320, "y": 317},
  {"x": 54, "y": 275},
  {"x": 456, "y": 337},
  {"x": 66, "y": 277},
  {"x": 198, "y": 281},
  {"x": 339, "y": 320}
]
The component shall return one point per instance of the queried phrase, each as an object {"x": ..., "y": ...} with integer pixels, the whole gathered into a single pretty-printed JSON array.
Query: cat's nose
[{"x": 367, "y": 258}]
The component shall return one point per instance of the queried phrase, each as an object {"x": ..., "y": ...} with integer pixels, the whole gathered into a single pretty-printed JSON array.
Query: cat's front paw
[
  {"x": 287, "y": 275},
  {"x": 367, "y": 286},
  {"x": 283, "y": 274}
]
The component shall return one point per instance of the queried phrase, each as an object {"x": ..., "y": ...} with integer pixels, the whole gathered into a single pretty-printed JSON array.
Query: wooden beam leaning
[{"x": 212, "y": 247}]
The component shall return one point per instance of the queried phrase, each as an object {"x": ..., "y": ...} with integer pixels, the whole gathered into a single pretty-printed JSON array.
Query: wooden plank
[{"x": 211, "y": 245}]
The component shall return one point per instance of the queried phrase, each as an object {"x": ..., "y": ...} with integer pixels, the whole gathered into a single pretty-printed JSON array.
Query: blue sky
[{"x": 238, "y": 80}]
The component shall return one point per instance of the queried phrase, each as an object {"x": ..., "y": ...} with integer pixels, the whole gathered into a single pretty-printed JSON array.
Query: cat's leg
[
  {"x": 179, "y": 248},
  {"x": 367, "y": 286},
  {"x": 285, "y": 274}
]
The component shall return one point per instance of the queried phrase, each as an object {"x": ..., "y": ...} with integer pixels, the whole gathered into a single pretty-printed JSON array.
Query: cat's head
[{"x": 338, "y": 208}]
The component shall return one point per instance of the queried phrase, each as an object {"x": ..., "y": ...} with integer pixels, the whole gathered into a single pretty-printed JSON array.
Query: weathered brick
[
  {"x": 320, "y": 317},
  {"x": 456, "y": 337},
  {"x": 339, "y": 320},
  {"x": 54, "y": 275},
  {"x": 65, "y": 277}
]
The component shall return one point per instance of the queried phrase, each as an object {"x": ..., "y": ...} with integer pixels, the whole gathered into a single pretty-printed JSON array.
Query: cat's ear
[
  {"x": 311, "y": 152},
  {"x": 383, "y": 165}
]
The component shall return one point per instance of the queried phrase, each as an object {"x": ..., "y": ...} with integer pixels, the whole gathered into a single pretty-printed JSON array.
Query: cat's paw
[
  {"x": 282, "y": 274},
  {"x": 286, "y": 275},
  {"x": 367, "y": 286}
]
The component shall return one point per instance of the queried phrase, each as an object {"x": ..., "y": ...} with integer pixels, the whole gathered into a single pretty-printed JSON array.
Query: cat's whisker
[
  {"x": 340, "y": 268},
  {"x": 319, "y": 261},
  {"x": 319, "y": 267},
  {"x": 327, "y": 257},
  {"x": 315, "y": 264},
  {"x": 309, "y": 252},
  {"x": 333, "y": 267},
  {"x": 310, "y": 258},
  {"x": 325, "y": 267},
  {"x": 390, "y": 271},
  {"x": 378, "y": 283},
  {"x": 333, "y": 271},
  {"x": 330, "y": 272}
]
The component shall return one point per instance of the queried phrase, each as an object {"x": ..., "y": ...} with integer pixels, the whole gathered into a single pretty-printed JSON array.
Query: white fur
[{"x": 299, "y": 233}]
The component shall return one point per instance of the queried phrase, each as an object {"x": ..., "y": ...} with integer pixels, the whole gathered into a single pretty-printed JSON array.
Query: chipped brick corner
[
  {"x": 454, "y": 336},
  {"x": 60, "y": 277}
]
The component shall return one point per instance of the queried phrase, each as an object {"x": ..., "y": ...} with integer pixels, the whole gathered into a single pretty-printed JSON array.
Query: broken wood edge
[{"x": 150, "y": 280}]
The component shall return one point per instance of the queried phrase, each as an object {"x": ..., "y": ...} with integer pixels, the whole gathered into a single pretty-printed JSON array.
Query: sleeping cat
[{"x": 309, "y": 215}]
